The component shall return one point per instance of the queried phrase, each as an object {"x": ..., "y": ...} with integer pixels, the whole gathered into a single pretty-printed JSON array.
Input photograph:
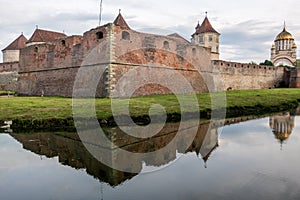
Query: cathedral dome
[{"x": 284, "y": 35}]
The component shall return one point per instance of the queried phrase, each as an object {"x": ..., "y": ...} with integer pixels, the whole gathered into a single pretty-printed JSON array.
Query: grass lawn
[
  {"x": 3, "y": 92},
  {"x": 61, "y": 108}
]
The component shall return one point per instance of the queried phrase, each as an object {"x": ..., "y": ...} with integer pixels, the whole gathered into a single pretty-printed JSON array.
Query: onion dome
[{"x": 284, "y": 35}]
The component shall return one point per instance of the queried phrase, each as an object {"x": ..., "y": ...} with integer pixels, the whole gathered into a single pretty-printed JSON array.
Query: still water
[{"x": 254, "y": 159}]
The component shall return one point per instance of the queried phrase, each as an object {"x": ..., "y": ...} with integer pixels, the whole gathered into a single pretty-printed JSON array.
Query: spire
[
  {"x": 198, "y": 25},
  {"x": 284, "y": 26},
  {"x": 120, "y": 21},
  {"x": 205, "y": 27}
]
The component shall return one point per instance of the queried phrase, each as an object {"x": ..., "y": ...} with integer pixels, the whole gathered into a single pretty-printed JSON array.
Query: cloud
[
  {"x": 248, "y": 40},
  {"x": 247, "y": 30}
]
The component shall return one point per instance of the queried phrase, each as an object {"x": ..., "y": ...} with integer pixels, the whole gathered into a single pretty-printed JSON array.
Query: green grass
[
  {"x": 4, "y": 92},
  {"x": 61, "y": 108}
]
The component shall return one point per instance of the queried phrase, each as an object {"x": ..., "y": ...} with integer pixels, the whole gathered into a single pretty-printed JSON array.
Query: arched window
[
  {"x": 166, "y": 45},
  {"x": 125, "y": 35},
  {"x": 63, "y": 42},
  {"x": 36, "y": 49},
  {"x": 99, "y": 35}
]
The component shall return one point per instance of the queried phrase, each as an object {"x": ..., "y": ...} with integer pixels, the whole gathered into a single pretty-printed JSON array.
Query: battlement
[
  {"x": 248, "y": 76},
  {"x": 244, "y": 68}
]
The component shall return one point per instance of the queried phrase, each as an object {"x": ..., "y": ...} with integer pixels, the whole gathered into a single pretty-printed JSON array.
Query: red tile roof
[
  {"x": 40, "y": 35},
  {"x": 119, "y": 21},
  {"x": 18, "y": 44},
  {"x": 205, "y": 27}
]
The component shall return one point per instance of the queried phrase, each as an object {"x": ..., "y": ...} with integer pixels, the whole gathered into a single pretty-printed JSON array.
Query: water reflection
[
  {"x": 71, "y": 152},
  {"x": 226, "y": 155},
  {"x": 282, "y": 126}
]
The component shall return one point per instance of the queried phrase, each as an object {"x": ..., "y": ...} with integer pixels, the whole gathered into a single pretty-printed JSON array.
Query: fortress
[{"x": 120, "y": 59}]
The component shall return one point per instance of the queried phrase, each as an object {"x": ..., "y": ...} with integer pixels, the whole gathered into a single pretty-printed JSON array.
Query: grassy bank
[
  {"x": 3, "y": 92},
  {"x": 59, "y": 110}
]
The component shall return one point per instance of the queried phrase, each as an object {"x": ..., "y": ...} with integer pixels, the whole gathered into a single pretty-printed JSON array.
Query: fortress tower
[
  {"x": 283, "y": 52},
  {"x": 207, "y": 36},
  {"x": 12, "y": 52}
]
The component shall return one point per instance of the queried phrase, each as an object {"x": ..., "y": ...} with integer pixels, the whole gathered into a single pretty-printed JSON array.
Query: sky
[{"x": 248, "y": 28}]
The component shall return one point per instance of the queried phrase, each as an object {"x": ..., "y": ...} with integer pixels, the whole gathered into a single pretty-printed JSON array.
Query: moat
[{"x": 245, "y": 159}]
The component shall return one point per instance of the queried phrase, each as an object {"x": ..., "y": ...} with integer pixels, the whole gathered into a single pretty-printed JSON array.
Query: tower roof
[
  {"x": 17, "y": 44},
  {"x": 205, "y": 27},
  {"x": 120, "y": 21},
  {"x": 284, "y": 35},
  {"x": 40, "y": 35}
]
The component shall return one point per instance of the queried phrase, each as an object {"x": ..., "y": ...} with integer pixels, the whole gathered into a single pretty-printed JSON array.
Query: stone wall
[
  {"x": 129, "y": 63},
  {"x": 154, "y": 64},
  {"x": 295, "y": 78},
  {"x": 238, "y": 76},
  {"x": 50, "y": 69},
  {"x": 8, "y": 81},
  {"x": 9, "y": 67}
]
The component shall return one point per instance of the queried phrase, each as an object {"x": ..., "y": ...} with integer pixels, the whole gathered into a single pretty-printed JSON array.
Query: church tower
[
  {"x": 207, "y": 36},
  {"x": 283, "y": 52}
]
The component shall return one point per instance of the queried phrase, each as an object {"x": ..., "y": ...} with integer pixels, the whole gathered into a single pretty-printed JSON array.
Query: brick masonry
[{"x": 121, "y": 60}]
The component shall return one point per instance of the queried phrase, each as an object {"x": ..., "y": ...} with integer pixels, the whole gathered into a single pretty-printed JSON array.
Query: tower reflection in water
[{"x": 282, "y": 126}]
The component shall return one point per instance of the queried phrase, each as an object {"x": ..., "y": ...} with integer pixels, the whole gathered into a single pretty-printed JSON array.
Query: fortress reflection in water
[{"x": 70, "y": 150}]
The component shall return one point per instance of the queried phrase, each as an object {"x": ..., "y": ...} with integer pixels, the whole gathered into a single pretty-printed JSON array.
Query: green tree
[
  {"x": 267, "y": 63},
  {"x": 252, "y": 63}
]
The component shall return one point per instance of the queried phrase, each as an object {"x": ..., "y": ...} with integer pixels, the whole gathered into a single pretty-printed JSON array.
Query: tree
[{"x": 267, "y": 63}]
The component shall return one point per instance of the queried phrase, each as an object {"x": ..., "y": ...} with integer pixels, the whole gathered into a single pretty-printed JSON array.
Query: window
[
  {"x": 210, "y": 38},
  {"x": 99, "y": 35},
  {"x": 36, "y": 49},
  {"x": 201, "y": 39},
  {"x": 166, "y": 45},
  {"x": 63, "y": 42},
  {"x": 194, "y": 51},
  {"x": 125, "y": 35}
]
